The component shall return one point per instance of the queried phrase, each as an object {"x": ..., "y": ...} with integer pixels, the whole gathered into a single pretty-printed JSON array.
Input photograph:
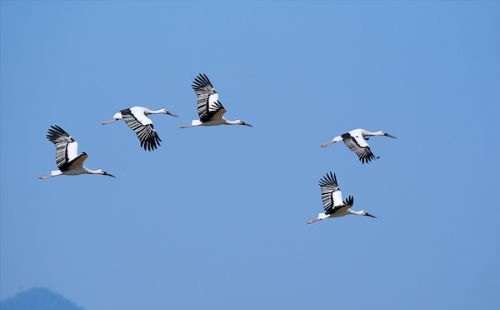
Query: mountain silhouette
[{"x": 38, "y": 299}]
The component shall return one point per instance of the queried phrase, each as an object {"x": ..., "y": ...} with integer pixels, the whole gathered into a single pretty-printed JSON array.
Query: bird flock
[{"x": 210, "y": 112}]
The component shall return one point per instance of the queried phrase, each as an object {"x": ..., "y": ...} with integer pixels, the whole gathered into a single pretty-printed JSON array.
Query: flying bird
[
  {"x": 67, "y": 159},
  {"x": 332, "y": 200},
  {"x": 136, "y": 118},
  {"x": 356, "y": 142},
  {"x": 210, "y": 110}
]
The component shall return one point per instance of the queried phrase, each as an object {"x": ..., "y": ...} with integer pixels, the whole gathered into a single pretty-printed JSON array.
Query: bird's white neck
[
  {"x": 235, "y": 122},
  {"x": 89, "y": 171},
  {"x": 349, "y": 211},
  {"x": 154, "y": 111},
  {"x": 369, "y": 133}
]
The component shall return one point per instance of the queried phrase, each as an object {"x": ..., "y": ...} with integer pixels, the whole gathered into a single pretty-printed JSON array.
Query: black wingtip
[
  {"x": 349, "y": 201},
  {"x": 201, "y": 81},
  {"x": 328, "y": 179},
  {"x": 151, "y": 143},
  {"x": 366, "y": 159},
  {"x": 55, "y": 132}
]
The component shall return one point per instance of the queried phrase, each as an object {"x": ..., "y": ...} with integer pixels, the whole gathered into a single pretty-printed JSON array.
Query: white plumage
[
  {"x": 355, "y": 140},
  {"x": 136, "y": 118},
  {"x": 67, "y": 159},
  {"x": 332, "y": 200},
  {"x": 210, "y": 110}
]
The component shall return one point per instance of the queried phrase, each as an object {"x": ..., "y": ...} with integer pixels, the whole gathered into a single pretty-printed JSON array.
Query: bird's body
[
  {"x": 332, "y": 200},
  {"x": 210, "y": 110},
  {"x": 136, "y": 118},
  {"x": 355, "y": 140},
  {"x": 67, "y": 159}
]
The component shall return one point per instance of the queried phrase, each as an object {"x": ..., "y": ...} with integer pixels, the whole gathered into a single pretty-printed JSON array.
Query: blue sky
[{"x": 215, "y": 218}]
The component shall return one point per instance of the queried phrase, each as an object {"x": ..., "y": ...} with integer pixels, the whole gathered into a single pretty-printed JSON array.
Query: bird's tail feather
[{"x": 320, "y": 217}]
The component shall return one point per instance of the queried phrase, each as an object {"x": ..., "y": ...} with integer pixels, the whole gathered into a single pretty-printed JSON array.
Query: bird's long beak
[
  {"x": 172, "y": 114},
  {"x": 246, "y": 124},
  {"x": 368, "y": 214},
  {"x": 108, "y": 174},
  {"x": 390, "y": 136}
]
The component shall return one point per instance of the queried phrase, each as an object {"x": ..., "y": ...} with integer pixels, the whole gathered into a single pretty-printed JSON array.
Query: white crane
[
  {"x": 356, "y": 142},
  {"x": 332, "y": 200},
  {"x": 136, "y": 118},
  {"x": 210, "y": 110},
  {"x": 67, "y": 159}
]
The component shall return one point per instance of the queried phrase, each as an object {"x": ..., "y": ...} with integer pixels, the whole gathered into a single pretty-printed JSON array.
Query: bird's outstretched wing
[
  {"x": 211, "y": 111},
  {"x": 144, "y": 129},
  {"x": 349, "y": 201},
  {"x": 360, "y": 147},
  {"x": 330, "y": 193},
  {"x": 342, "y": 207},
  {"x": 202, "y": 85},
  {"x": 66, "y": 147},
  {"x": 209, "y": 107},
  {"x": 77, "y": 162}
]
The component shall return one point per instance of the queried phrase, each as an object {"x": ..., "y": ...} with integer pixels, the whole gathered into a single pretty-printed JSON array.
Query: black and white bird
[
  {"x": 136, "y": 118},
  {"x": 210, "y": 110},
  {"x": 67, "y": 159},
  {"x": 332, "y": 200},
  {"x": 356, "y": 142}
]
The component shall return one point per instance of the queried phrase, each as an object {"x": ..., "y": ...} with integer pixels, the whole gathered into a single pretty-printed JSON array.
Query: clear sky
[{"x": 215, "y": 218}]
